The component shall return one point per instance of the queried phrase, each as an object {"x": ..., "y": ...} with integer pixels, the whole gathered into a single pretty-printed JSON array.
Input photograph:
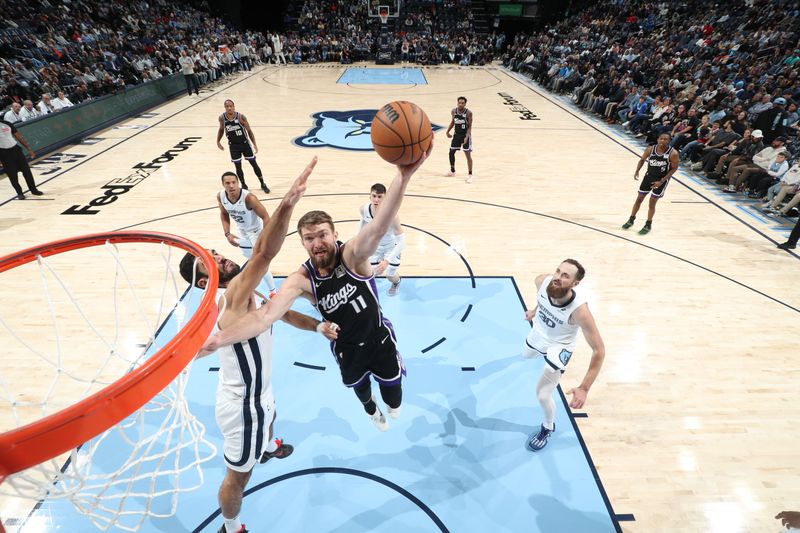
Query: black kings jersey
[
  {"x": 234, "y": 129},
  {"x": 657, "y": 164},
  {"x": 348, "y": 300},
  {"x": 460, "y": 123}
]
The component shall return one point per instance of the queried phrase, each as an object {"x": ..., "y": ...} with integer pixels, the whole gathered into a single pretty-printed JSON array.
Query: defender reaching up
[{"x": 245, "y": 408}]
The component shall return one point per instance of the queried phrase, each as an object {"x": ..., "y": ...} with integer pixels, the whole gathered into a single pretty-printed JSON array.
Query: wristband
[{"x": 334, "y": 327}]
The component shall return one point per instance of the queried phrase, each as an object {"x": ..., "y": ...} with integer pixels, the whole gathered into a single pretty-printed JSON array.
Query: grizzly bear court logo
[{"x": 346, "y": 130}]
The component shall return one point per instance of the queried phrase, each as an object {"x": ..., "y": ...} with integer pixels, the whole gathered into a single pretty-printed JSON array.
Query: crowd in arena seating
[
  {"x": 58, "y": 54},
  {"x": 720, "y": 78},
  {"x": 425, "y": 32},
  {"x": 54, "y": 55}
]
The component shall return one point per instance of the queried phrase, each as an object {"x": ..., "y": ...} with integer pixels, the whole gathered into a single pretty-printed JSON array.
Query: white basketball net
[{"x": 140, "y": 466}]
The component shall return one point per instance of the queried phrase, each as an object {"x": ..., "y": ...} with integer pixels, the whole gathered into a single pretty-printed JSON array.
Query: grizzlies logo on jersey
[{"x": 564, "y": 356}]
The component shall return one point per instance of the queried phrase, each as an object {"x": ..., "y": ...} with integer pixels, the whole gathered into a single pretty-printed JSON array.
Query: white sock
[
  {"x": 232, "y": 525},
  {"x": 271, "y": 446}
]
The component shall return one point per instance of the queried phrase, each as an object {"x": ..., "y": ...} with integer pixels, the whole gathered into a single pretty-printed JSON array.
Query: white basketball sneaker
[{"x": 378, "y": 418}]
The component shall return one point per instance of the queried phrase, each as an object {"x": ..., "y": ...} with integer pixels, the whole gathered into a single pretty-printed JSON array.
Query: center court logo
[{"x": 346, "y": 130}]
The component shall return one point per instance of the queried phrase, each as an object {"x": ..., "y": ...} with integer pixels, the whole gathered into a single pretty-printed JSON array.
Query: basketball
[{"x": 401, "y": 132}]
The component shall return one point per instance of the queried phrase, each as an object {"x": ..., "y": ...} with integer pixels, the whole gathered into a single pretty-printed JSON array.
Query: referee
[{"x": 13, "y": 160}]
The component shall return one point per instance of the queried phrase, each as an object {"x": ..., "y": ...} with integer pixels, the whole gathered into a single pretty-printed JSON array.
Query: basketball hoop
[
  {"x": 150, "y": 382},
  {"x": 383, "y": 13}
]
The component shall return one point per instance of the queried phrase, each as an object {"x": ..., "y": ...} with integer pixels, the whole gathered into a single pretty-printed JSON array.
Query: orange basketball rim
[{"x": 34, "y": 443}]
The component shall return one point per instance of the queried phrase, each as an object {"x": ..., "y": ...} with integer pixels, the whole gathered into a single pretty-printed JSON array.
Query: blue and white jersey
[
  {"x": 245, "y": 368},
  {"x": 552, "y": 322},
  {"x": 367, "y": 216},
  {"x": 248, "y": 223}
]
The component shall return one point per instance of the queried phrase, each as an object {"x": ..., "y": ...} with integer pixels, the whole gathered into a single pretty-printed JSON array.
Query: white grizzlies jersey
[
  {"x": 245, "y": 368},
  {"x": 247, "y": 221},
  {"x": 388, "y": 240},
  {"x": 244, "y": 406},
  {"x": 551, "y": 322}
]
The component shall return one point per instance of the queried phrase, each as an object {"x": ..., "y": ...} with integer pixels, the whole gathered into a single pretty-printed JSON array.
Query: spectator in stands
[
  {"x": 28, "y": 112},
  {"x": 187, "y": 68},
  {"x": 723, "y": 142},
  {"x": 45, "y": 106},
  {"x": 762, "y": 105},
  {"x": 772, "y": 121},
  {"x": 784, "y": 211},
  {"x": 759, "y": 182},
  {"x": 710, "y": 139},
  {"x": 686, "y": 129},
  {"x": 745, "y": 149},
  {"x": 637, "y": 113},
  {"x": 737, "y": 175},
  {"x": 741, "y": 124},
  {"x": 792, "y": 119},
  {"x": 12, "y": 115},
  {"x": 788, "y": 184},
  {"x": 61, "y": 102},
  {"x": 16, "y": 91},
  {"x": 201, "y": 70},
  {"x": 80, "y": 94}
]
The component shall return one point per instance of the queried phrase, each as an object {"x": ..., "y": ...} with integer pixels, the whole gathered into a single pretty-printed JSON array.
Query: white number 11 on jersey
[{"x": 358, "y": 304}]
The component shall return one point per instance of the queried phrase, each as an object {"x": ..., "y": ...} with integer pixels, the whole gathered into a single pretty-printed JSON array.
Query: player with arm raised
[{"x": 338, "y": 280}]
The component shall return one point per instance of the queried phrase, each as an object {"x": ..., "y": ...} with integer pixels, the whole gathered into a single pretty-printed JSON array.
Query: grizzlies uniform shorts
[
  {"x": 384, "y": 253},
  {"x": 556, "y": 355},
  {"x": 244, "y": 423}
]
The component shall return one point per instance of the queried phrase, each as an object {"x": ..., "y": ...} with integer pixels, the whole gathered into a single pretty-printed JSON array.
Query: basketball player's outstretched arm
[
  {"x": 364, "y": 244},
  {"x": 252, "y": 323},
  {"x": 270, "y": 241},
  {"x": 583, "y": 317}
]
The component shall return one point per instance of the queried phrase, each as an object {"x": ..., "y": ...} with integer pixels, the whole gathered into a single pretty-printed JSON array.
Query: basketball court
[{"x": 683, "y": 430}]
